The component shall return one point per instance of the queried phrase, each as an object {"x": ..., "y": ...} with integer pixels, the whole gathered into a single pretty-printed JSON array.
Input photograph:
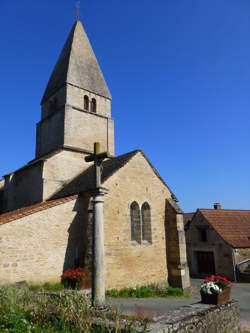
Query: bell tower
[{"x": 76, "y": 105}]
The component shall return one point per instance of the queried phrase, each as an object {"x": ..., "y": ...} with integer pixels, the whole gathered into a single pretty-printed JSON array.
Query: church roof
[
  {"x": 82, "y": 183},
  {"x": 77, "y": 65},
  {"x": 25, "y": 211},
  {"x": 85, "y": 180}
]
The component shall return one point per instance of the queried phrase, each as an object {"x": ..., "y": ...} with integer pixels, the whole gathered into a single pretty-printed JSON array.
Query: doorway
[{"x": 205, "y": 262}]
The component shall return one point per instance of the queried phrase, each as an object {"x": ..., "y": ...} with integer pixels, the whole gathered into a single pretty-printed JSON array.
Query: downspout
[{"x": 234, "y": 266}]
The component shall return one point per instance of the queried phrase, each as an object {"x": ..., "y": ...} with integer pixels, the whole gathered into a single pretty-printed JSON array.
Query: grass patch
[
  {"x": 26, "y": 311},
  {"x": 46, "y": 287},
  {"x": 145, "y": 291}
]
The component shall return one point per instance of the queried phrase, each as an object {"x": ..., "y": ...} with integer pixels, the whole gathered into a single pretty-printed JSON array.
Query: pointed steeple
[{"x": 77, "y": 65}]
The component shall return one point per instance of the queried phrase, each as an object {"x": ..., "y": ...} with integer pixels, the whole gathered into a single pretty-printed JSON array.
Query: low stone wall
[{"x": 200, "y": 318}]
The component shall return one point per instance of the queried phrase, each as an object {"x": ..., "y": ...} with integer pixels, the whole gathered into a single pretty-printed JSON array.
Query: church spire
[{"x": 77, "y": 65}]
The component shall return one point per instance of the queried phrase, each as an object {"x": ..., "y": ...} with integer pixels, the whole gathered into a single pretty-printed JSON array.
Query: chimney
[{"x": 217, "y": 206}]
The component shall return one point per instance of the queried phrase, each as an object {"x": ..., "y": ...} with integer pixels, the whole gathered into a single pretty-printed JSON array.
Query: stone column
[
  {"x": 178, "y": 271},
  {"x": 98, "y": 266}
]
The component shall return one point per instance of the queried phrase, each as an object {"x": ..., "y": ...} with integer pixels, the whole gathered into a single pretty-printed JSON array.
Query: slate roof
[
  {"x": 83, "y": 182},
  {"x": 232, "y": 225},
  {"x": 77, "y": 65}
]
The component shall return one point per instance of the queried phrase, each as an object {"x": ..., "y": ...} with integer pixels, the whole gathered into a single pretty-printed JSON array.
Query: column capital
[{"x": 99, "y": 191}]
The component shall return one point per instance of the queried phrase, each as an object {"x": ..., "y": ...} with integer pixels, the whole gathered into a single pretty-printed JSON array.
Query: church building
[{"x": 46, "y": 206}]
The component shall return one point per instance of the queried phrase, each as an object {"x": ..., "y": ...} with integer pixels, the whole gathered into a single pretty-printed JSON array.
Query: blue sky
[{"x": 179, "y": 74}]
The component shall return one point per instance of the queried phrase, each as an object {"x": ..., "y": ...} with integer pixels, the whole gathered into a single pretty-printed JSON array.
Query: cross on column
[
  {"x": 97, "y": 158},
  {"x": 98, "y": 267}
]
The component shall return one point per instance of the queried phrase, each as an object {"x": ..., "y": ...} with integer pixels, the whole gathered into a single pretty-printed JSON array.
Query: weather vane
[{"x": 77, "y": 10}]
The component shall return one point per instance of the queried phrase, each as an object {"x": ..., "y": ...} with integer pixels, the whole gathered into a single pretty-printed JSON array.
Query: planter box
[
  {"x": 216, "y": 299},
  {"x": 85, "y": 284}
]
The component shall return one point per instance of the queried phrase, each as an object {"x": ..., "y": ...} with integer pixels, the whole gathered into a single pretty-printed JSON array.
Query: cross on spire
[{"x": 77, "y": 10}]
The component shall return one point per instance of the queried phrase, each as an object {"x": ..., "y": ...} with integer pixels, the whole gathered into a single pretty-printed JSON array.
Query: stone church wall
[
  {"x": 38, "y": 247},
  {"x": 56, "y": 102},
  {"x": 1, "y": 194},
  {"x": 222, "y": 252},
  {"x": 60, "y": 169},
  {"x": 50, "y": 134},
  {"x": 75, "y": 98},
  {"x": 83, "y": 129},
  {"x": 128, "y": 264},
  {"x": 24, "y": 187}
]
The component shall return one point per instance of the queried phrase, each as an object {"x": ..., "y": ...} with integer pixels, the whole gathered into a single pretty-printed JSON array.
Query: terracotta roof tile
[
  {"x": 25, "y": 211},
  {"x": 232, "y": 225}
]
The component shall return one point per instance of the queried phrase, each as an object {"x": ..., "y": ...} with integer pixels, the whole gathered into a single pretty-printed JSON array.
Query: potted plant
[
  {"x": 73, "y": 278},
  {"x": 215, "y": 290}
]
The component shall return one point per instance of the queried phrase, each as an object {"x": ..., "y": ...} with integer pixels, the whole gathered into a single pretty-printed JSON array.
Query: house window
[
  {"x": 93, "y": 105},
  {"x": 146, "y": 223},
  {"x": 135, "y": 221},
  {"x": 86, "y": 103},
  {"x": 202, "y": 234}
]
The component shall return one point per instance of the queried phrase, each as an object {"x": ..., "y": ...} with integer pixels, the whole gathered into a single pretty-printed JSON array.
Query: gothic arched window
[
  {"x": 93, "y": 105},
  {"x": 86, "y": 103},
  {"x": 135, "y": 220},
  {"x": 146, "y": 223}
]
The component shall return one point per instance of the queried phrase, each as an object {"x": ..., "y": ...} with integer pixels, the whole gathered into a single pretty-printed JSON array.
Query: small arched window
[
  {"x": 146, "y": 223},
  {"x": 93, "y": 105},
  {"x": 86, "y": 103},
  {"x": 135, "y": 220}
]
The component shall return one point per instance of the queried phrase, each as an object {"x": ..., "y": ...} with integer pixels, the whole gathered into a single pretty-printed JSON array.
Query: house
[
  {"x": 218, "y": 241},
  {"x": 46, "y": 205}
]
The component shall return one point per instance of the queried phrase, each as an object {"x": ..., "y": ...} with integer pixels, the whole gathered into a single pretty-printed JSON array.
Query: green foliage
[
  {"x": 47, "y": 287},
  {"x": 145, "y": 291},
  {"x": 25, "y": 311},
  {"x": 247, "y": 270}
]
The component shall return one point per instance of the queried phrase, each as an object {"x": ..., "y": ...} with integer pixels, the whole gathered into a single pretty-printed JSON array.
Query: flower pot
[
  {"x": 216, "y": 299},
  {"x": 84, "y": 284}
]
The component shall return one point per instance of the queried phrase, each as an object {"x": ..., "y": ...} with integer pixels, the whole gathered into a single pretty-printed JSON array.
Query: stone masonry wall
[
  {"x": 83, "y": 128},
  {"x": 75, "y": 97},
  {"x": 24, "y": 187},
  {"x": 37, "y": 248},
  {"x": 176, "y": 246},
  {"x": 127, "y": 263},
  {"x": 200, "y": 318}
]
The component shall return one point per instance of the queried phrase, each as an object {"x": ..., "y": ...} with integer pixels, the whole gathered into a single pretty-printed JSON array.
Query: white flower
[{"x": 210, "y": 288}]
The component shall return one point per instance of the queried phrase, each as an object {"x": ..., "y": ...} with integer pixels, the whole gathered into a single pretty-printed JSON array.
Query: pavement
[{"x": 159, "y": 306}]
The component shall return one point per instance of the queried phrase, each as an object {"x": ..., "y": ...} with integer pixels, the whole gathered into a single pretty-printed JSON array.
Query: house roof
[
  {"x": 232, "y": 225},
  {"x": 83, "y": 182},
  {"x": 25, "y": 211},
  {"x": 187, "y": 217},
  {"x": 77, "y": 65}
]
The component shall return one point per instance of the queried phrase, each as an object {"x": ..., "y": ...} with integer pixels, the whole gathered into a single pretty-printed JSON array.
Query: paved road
[{"x": 159, "y": 306}]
